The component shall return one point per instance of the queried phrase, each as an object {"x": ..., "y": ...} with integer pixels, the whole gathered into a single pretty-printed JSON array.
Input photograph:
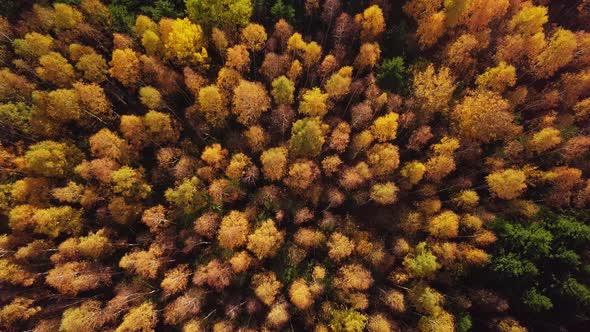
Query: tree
[
  {"x": 219, "y": 13},
  {"x": 14, "y": 87},
  {"x": 183, "y": 307},
  {"x": 14, "y": 274},
  {"x": 212, "y": 105},
  {"x": 266, "y": 240},
  {"x": 55, "y": 69},
  {"x": 185, "y": 43},
  {"x": 52, "y": 159},
  {"x": 106, "y": 144},
  {"x": 413, "y": 171},
  {"x": 125, "y": 67},
  {"x": 215, "y": 156},
  {"x": 507, "y": 184},
  {"x": 392, "y": 74},
  {"x": 444, "y": 225},
  {"x": 66, "y": 16},
  {"x": 19, "y": 309},
  {"x": 86, "y": 316},
  {"x": 480, "y": 16},
  {"x": 215, "y": 274},
  {"x": 340, "y": 246},
  {"x": 431, "y": 29},
  {"x": 266, "y": 286},
  {"x": 129, "y": 182},
  {"x": 485, "y": 116},
  {"x": 307, "y": 137},
  {"x": 282, "y": 90},
  {"x": 312, "y": 53},
  {"x": 95, "y": 245},
  {"x": 433, "y": 90},
  {"x": 338, "y": 85},
  {"x": 93, "y": 66},
  {"x": 348, "y": 320},
  {"x": 249, "y": 102},
  {"x": 145, "y": 263},
  {"x": 74, "y": 277},
  {"x": 280, "y": 10},
  {"x": 314, "y": 103},
  {"x": 150, "y": 97},
  {"x": 545, "y": 139},
  {"x": 141, "y": 318},
  {"x": 302, "y": 174},
  {"x": 421, "y": 263},
  {"x": 372, "y": 23},
  {"x": 238, "y": 58},
  {"x": 189, "y": 196},
  {"x": 558, "y": 53},
  {"x": 368, "y": 56},
  {"x": 340, "y": 137},
  {"x": 33, "y": 46},
  {"x": 442, "y": 322},
  {"x": 498, "y": 78},
  {"x": 529, "y": 20},
  {"x": 253, "y": 36},
  {"x": 159, "y": 127},
  {"x": 274, "y": 163},
  {"x": 233, "y": 230},
  {"x": 384, "y": 193},
  {"x": 300, "y": 294},
  {"x": 384, "y": 128},
  {"x": 383, "y": 159}
]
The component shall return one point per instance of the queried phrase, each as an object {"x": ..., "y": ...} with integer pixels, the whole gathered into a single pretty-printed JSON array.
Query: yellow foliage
[
  {"x": 507, "y": 184},
  {"x": 233, "y": 230},
  {"x": 498, "y": 78},
  {"x": 339, "y": 246},
  {"x": 266, "y": 240},
  {"x": 385, "y": 127},
  {"x": 266, "y": 286},
  {"x": 444, "y": 225},
  {"x": 185, "y": 43},
  {"x": 274, "y": 163}
]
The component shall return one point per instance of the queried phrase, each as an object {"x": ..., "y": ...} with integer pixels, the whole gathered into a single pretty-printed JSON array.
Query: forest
[{"x": 294, "y": 165}]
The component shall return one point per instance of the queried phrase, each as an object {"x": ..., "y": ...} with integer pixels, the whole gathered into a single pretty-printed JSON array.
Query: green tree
[
  {"x": 392, "y": 74},
  {"x": 219, "y": 13}
]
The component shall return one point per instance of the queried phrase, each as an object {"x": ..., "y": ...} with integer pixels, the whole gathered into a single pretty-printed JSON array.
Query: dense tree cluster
[{"x": 248, "y": 165}]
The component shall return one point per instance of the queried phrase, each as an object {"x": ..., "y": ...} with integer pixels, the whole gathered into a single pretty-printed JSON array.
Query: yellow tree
[
  {"x": 529, "y": 20},
  {"x": 212, "y": 105},
  {"x": 498, "y": 78},
  {"x": 560, "y": 51},
  {"x": 433, "y": 90},
  {"x": 266, "y": 240},
  {"x": 274, "y": 163},
  {"x": 507, "y": 184},
  {"x": 314, "y": 103},
  {"x": 384, "y": 128},
  {"x": 185, "y": 43},
  {"x": 485, "y": 116},
  {"x": 372, "y": 23},
  {"x": 233, "y": 231},
  {"x": 253, "y": 36},
  {"x": 125, "y": 67},
  {"x": 55, "y": 69}
]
